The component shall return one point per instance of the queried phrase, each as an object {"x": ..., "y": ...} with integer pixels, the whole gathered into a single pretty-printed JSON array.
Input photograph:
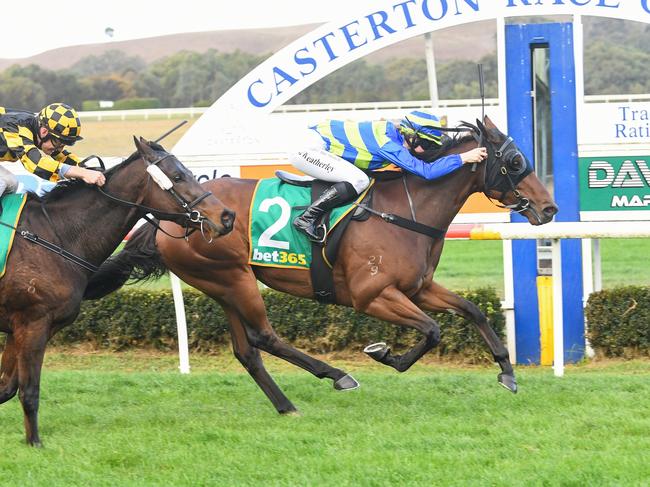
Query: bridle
[
  {"x": 192, "y": 216},
  {"x": 505, "y": 167}
]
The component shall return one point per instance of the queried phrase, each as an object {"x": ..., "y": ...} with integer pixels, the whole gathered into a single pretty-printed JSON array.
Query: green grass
[
  {"x": 467, "y": 264},
  {"x": 111, "y": 420}
]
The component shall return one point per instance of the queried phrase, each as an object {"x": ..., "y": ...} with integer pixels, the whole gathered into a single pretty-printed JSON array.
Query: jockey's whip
[
  {"x": 481, "y": 85},
  {"x": 170, "y": 131}
]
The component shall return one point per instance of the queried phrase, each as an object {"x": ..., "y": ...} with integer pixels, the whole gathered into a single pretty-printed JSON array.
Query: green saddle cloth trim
[
  {"x": 12, "y": 206},
  {"x": 274, "y": 241}
]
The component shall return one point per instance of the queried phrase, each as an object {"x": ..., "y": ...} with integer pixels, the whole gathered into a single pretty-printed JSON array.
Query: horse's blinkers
[{"x": 505, "y": 168}]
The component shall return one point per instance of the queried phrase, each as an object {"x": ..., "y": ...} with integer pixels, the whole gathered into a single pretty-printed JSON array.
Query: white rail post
[
  {"x": 429, "y": 56},
  {"x": 509, "y": 300},
  {"x": 587, "y": 285},
  {"x": 181, "y": 325},
  {"x": 558, "y": 322},
  {"x": 598, "y": 269}
]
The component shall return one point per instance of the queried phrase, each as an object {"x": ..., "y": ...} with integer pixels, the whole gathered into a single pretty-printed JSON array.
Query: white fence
[{"x": 192, "y": 112}]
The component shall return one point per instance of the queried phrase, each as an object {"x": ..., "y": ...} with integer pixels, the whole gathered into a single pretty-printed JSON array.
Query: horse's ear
[
  {"x": 143, "y": 147},
  {"x": 489, "y": 123},
  {"x": 480, "y": 125}
]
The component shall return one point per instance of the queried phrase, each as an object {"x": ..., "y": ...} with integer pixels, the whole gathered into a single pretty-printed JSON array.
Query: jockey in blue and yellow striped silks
[{"x": 348, "y": 148}]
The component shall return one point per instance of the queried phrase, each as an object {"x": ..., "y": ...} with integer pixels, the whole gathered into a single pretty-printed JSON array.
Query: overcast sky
[{"x": 49, "y": 24}]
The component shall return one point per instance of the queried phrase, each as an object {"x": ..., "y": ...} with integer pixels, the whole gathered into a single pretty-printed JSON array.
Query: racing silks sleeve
[
  {"x": 67, "y": 157},
  {"x": 400, "y": 156},
  {"x": 35, "y": 161}
]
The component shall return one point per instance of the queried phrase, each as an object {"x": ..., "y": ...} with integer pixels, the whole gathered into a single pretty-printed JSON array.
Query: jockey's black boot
[{"x": 335, "y": 195}]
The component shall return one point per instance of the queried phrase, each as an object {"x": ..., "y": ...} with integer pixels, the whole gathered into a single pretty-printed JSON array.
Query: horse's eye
[
  {"x": 178, "y": 178},
  {"x": 517, "y": 164}
]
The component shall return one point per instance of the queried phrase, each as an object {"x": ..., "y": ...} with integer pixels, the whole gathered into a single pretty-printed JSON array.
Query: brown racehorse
[
  {"x": 41, "y": 291},
  {"x": 382, "y": 270}
]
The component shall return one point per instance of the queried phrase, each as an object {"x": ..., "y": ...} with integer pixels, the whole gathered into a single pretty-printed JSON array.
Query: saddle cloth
[
  {"x": 274, "y": 241},
  {"x": 12, "y": 206}
]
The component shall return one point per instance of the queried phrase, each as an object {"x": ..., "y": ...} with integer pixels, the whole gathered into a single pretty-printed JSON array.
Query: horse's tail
[{"x": 139, "y": 260}]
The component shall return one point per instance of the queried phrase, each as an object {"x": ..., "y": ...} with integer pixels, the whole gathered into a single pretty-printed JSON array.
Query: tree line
[{"x": 616, "y": 61}]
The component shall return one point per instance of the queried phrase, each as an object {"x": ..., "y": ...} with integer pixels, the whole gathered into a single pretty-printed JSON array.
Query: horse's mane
[
  {"x": 67, "y": 188},
  {"x": 448, "y": 144}
]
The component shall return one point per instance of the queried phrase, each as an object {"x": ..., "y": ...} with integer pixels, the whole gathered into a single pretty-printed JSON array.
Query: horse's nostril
[{"x": 550, "y": 210}]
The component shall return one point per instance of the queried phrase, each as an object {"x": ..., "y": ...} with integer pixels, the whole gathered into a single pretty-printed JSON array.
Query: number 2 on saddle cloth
[{"x": 275, "y": 242}]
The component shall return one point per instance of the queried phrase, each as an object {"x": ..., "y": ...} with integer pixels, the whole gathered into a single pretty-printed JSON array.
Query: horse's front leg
[
  {"x": 395, "y": 307},
  {"x": 30, "y": 348},
  {"x": 436, "y": 298},
  {"x": 8, "y": 375}
]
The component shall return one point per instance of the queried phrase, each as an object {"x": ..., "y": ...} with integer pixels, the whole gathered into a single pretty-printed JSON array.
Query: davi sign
[{"x": 615, "y": 183}]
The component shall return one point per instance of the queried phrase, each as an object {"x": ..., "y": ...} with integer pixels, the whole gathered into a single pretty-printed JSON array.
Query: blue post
[{"x": 520, "y": 40}]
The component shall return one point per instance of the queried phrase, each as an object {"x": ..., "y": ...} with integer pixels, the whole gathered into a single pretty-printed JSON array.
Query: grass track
[{"x": 133, "y": 420}]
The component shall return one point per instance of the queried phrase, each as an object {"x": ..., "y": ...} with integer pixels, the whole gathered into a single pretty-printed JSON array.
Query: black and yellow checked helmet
[{"x": 62, "y": 122}]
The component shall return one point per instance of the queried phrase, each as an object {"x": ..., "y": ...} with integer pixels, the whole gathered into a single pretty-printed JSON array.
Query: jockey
[
  {"x": 38, "y": 141},
  {"x": 339, "y": 152}
]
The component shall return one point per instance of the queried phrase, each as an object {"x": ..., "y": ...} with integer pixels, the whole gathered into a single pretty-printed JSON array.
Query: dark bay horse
[
  {"x": 382, "y": 270},
  {"x": 41, "y": 291}
]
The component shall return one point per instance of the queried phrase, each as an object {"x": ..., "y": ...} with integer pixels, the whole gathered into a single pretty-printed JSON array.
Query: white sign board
[
  {"x": 615, "y": 123},
  {"x": 238, "y": 121}
]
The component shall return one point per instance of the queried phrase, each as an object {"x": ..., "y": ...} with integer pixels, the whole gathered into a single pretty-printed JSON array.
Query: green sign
[{"x": 615, "y": 183}]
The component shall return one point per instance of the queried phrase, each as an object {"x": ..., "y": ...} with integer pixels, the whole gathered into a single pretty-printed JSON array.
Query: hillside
[{"x": 470, "y": 42}]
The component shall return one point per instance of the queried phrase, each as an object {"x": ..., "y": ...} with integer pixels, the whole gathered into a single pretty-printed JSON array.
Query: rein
[
  {"x": 413, "y": 225},
  {"x": 502, "y": 159},
  {"x": 192, "y": 215}
]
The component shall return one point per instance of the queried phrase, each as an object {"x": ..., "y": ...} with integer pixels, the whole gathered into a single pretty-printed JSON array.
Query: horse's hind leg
[
  {"x": 395, "y": 307},
  {"x": 261, "y": 335},
  {"x": 436, "y": 298},
  {"x": 8, "y": 375},
  {"x": 251, "y": 359}
]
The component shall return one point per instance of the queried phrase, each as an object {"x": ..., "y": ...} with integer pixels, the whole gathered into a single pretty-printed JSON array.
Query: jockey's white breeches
[
  {"x": 312, "y": 158},
  {"x": 8, "y": 181}
]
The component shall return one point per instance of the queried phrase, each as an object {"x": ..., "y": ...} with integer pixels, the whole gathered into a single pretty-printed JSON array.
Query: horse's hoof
[
  {"x": 288, "y": 410},
  {"x": 377, "y": 351},
  {"x": 509, "y": 382},
  {"x": 292, "y": 412},
  {"x": 346, "y": 383}
]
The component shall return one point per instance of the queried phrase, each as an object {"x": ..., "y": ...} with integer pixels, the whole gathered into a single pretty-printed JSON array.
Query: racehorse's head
[
  {"x": 511, "y": 179},
  {"x": 178, "y": 196}
]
